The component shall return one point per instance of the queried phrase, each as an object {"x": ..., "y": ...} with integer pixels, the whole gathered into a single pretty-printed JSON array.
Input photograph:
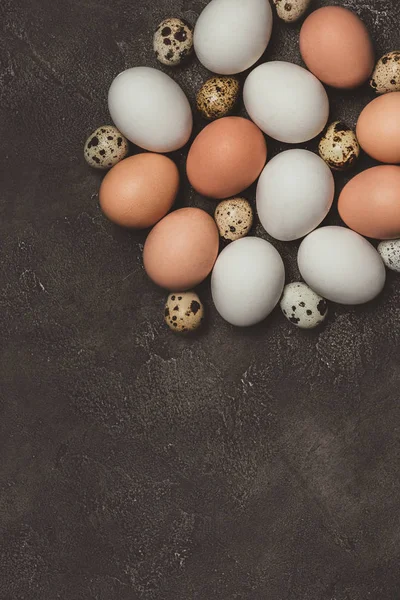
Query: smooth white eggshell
[
  {"x": 231, "y": 35},
  {"x": 247, "y": 281},
  {"x": 294, "y": 194},
  {"x": 341, "y": 265},
  {"x": 286, "y": 101},
  {"x": 150, "y": 109}
]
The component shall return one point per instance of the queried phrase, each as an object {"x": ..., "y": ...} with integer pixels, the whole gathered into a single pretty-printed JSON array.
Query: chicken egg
[
  {"x": 378, "y": 128},
  {"x": 286, "y": 102},
  {"x": 226, "y": 157},
  {"x": 294, "y": 194},
  {"x": 150, "y": 109},
  {"x": 336, "y": 47},
  {"x": 340, "y": 265},
  {"x": 370, "y": 202},
  {"x": 231, "y": 35},
  {"x": 247, "y": 281}
]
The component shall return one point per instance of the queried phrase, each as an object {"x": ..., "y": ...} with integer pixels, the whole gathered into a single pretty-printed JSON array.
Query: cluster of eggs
[{"x": 295, "y": 189}]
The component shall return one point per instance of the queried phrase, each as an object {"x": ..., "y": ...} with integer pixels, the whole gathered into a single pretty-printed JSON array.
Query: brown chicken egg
[
  {"x": 140, "y": 190},
  {"x": 226, "y": 157},
  {"x": 181, "y": 250},
  {"x": 336, "y": 47},
  {"x": 370, "y": 203},
  {"x": 378, "y": 128}
]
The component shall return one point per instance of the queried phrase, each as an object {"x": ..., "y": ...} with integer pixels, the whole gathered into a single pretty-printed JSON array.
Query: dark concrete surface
[{"x": 255, "y": 465}]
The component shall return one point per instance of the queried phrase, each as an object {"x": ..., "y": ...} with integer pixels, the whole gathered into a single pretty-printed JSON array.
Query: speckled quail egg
[
  {"x": 105, "y": 147},
  {"x": 184, "y": 312},
  {"x": 386, "y": 76},
  {"x": 291, "y": 10},
  {"x": 390, "y": 253},
  {"x": 339, "y": 147},
  {"x": 173, "y": 42},
  {"x": 302, "y": 306},
  {"x": 218, "y": 97},
  {"x": 234, "y": 218}
]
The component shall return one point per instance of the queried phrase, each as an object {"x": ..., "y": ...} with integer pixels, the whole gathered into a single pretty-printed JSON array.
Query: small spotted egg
[
  {"x": 302, "y": 306},
  {"x": 291, "y": 10},
  {"x": 218, "y": 97},
  {"x": 105, "y": 147},
  {"x": 184, "y": 312},
  {"x": 234, "y": 218},
  {"x": 339, "y": 147},
  {"x": 173, "y": 42},
  {"x": 390, "y": 253},
  {"x": 386, "y": 76}
]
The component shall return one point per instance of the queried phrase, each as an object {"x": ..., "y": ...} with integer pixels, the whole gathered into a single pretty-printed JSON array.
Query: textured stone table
[{"x": 255, "y": 465}]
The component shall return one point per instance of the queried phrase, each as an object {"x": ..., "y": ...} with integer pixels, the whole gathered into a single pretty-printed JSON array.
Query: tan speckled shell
[
  {"x": 386, "y": 76},
  {"x": 173, "y": 42},
  {"x": 339, "y": 147},
  {"x": 105, "y": 147},
  {"x": 218, "y": 97},
  {"x": 291, "y": 10},
  {"x": 234, "y": 218},
  {"x": 184, "y": 312}
]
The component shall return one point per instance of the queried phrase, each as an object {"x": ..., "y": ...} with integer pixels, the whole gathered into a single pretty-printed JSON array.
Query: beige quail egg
[
  {"x": 386, "y": 76},
  {"x": 234, "y": 218},
  {"x": 218, "y": 97},
  {"x": 291, "y": 10},
  {"x": 184, "y": 312},
  {"x": 105, "y": 147},
  {"x": 390, "y": 254},
  {"x": 302, "y": 306},
  {"x": 339, "y": 147},
  {"x": 173, "y": 42}
]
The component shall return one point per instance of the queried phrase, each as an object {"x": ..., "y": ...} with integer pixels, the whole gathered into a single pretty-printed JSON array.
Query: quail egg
[
  {"x": 218, "y": 97},
  {"x": 302, "y": 306},
  {"x": 291, "y": 10},
  {"x": 386, "y": 76},
  {"x": 173, "y": 42},
  {"x": 390, "y": 254},
  {"x": 339, "y": 147},
  {"x": 105, "y": 147},
  {"x": 184, "y": 312},
  {"x": 234, "y": 218}
]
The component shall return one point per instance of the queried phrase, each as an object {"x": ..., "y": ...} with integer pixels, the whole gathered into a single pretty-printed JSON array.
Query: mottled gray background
[{"x": 255, "y": 465}]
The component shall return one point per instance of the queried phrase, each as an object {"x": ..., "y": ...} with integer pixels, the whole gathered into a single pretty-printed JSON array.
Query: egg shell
[
  {"x": 370, "y": 202},
  {"x": 291, "y": 11},
  {"x": 173, "y": 42},
  {"x": 286, "y": 102},
  {"x": 231, "y": 35},
  {"x": 378, "y": 128},
  {"x": 389, "y": 251},
  {"x": 247, "y": 281},
  {"x": 218, "y": 97},
  {"x": 339, "y": 147},
  {"x": 140, "y": 190},
  {"x": 302, "y": 306},
  {"x": 336, "y": 47},
  {"x": 234, "y": 218},
  {"x": 226, "y": 157},
  {"x": 184, "y": 312},
  {"x": 181, "y": 249},
  {"x": 386, "y": 75},
  {"x": 105, "y": 147},
  {"x": 294, "y": 194},
  {"x": 340, "y": 265},
  {"x": 150, "y": 109}
]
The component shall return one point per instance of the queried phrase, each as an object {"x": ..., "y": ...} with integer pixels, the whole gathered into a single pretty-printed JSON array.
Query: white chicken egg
[
  {"x": 150, "y": 109},
  {"x": 247, "y": 281},
  {"x": 341, "y": 265},
  {"x": 294, "y": 194},
  {"x": 231, "y": 35},
  {"x": 286, "y": 101}
]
